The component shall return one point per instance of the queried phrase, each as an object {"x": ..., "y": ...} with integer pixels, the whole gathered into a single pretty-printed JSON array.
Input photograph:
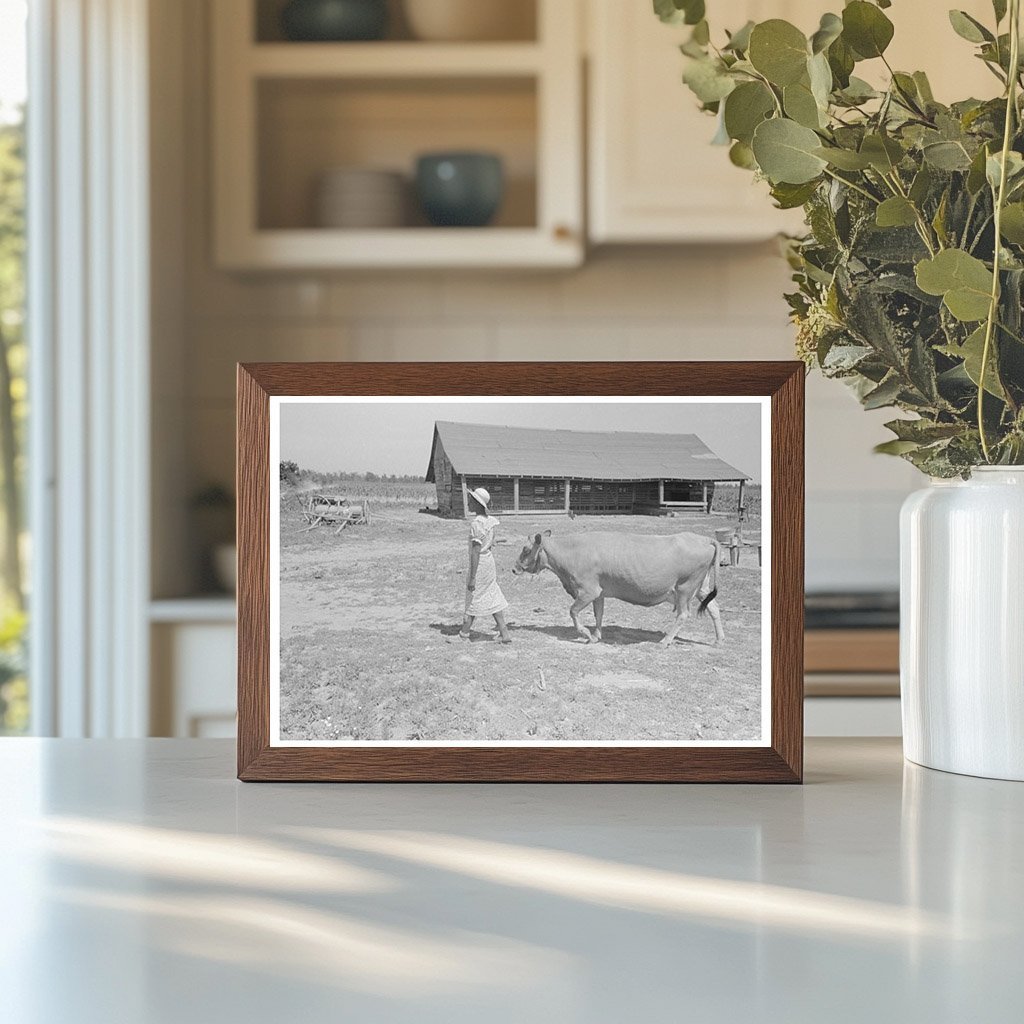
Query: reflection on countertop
[{"x": 877, "y": 891}]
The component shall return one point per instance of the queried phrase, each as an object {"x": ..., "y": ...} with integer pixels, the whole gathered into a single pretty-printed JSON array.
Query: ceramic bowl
[
  {"x": 359, "y": 197},
  {"x": 460, "y": 189},
  {"x": 334, "y": 20}
]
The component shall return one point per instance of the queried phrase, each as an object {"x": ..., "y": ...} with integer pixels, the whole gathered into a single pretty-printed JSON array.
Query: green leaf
[
  {"x": 800, "y": 105},
  {"x": 906, "y": 90},
  {"x": 708, "y": 80},
  {"x": 785, "y": 152},
  {"x": 789, "y": 197},
  {"x": 829, "y": 30},
  {"x": 858, "y": 91},
  {"x": 745, "y": 108},
  {"x": 971, "y": 352},
  {"x": 947, "y": 156},
  {"x": 969, "y": 28},
  {"x": 923, "y": 431},
  {"x": 1012, "y": 225},
  {"x": 1014, "y": 169},
  {"x": 820, "y": 76},
  {"x": 976, "y": 174},
  {"x": 921, "y": 185},
  {"x": 741, "y": 155},
  {"x": 883, "y": 153},
  {"x": 676, "y": 12},
  {"x": 896, "y": 212},
  {"x": 885, "y": 394},
  {"x": 841, "y": 60},
  {"x": 844, "y": 159},
  {"x": 895, "y": 447},
  {"x": 739, "y": 41},
  {"x": 939, "y": 220},
  {"x": 778, "y": 50},
  {"x": 999, "y": 7},
  {"x": 866, "y": 29},
  {"x": 963, "y": 281},
  {"x": 924, "y": 87}
]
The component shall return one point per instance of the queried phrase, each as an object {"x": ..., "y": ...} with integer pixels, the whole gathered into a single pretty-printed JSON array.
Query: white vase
[{"x": 962, "y": 624}]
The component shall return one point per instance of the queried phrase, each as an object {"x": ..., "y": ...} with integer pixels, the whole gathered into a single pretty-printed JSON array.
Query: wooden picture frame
[{"x": 778, "y": 760}]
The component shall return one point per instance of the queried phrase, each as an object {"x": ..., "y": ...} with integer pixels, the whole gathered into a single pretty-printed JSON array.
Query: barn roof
[{"x": 479, "y": 449}]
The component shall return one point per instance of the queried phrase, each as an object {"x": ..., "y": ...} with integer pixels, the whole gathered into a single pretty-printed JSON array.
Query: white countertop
[{"x": 143, "y": 885}]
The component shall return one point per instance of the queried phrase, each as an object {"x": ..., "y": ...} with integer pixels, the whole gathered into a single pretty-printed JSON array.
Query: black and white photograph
[{"x": 550, "y": 571}]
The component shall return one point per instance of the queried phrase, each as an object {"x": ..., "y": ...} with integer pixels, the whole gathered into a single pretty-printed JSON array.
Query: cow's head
[{"x": 532, "y": 558}]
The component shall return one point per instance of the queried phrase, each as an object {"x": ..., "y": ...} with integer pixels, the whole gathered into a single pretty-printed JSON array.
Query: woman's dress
[{"x": 487, "y": 597}]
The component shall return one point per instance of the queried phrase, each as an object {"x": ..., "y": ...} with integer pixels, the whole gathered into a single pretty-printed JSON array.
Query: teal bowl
[
  {"x": 460, "y": 190},
  {"x": 334, "y": 21}
]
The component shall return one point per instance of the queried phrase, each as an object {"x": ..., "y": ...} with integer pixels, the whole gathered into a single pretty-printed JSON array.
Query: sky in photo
[{"x": 393, "y": 437}]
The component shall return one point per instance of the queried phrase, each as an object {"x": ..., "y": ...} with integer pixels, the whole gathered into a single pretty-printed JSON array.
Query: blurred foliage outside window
[{"x": 14, "y": 693}]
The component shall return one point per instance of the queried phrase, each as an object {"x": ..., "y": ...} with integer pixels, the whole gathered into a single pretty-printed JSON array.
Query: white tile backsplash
[{"x": 714, "y": 303}]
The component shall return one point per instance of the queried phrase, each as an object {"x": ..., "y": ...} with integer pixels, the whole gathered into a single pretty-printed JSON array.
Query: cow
[{"x": 639, "y": 569}]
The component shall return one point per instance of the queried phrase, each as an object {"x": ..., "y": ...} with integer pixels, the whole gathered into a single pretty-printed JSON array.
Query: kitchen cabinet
[
  {"x": 286, "y": 113},
  {"x": 653, "y": 175},
  {"x": 193, "y": 668}
]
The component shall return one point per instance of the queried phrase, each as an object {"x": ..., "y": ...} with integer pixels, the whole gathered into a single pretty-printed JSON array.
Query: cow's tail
[{"x": 713, "y": 577}]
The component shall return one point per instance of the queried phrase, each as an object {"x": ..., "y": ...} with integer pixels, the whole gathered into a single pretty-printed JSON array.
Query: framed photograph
[{"x": 520, "y": 572}]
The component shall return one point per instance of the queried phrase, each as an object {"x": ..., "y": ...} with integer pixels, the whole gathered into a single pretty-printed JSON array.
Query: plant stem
[
  {"x": 993, "y": 309},
  {"x": 849, "y": 184},
  {"x": 922, "y": 225}
]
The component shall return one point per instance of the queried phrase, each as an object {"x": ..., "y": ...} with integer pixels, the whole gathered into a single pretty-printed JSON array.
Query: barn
[{"x": 529, "y": 470}]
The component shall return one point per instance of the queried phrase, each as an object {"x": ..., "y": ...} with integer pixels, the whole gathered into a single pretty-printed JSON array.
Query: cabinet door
[{"x": 654, "y": 175}]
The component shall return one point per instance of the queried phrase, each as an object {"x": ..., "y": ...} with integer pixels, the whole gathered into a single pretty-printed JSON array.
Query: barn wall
[
  {"x": 500, "y": 488},
  {"x": 443, "y": 480},
  {"x": 647, "y": 497},
  {"x": 539, "y": 494},
  {"x": 593, "y": 497},
  {"x": 458, "y": 509}
]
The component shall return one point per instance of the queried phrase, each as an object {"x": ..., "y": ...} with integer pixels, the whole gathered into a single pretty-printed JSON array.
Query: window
[{"x": 14, "y": 703}]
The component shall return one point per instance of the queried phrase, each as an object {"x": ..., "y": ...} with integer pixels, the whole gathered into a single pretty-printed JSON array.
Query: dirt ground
[{"x": 369, "y": 649}]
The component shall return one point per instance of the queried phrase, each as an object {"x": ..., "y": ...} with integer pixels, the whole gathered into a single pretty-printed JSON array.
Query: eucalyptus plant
[{"x": 910, "y": 278}]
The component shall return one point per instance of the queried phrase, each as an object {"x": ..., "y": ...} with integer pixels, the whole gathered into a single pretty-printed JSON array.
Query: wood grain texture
[{"x": 781, "y": 762}]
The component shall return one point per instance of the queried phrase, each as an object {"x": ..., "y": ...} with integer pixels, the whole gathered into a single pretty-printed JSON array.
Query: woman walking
[{"x": 483, "y": 595}]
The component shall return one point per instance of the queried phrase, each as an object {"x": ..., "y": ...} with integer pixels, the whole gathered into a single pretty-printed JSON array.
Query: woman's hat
[{"x": 482, "y": 495}]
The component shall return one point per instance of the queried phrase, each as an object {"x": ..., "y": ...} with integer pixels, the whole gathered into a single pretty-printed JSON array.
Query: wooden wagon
[{"x": 334, "y": 510}]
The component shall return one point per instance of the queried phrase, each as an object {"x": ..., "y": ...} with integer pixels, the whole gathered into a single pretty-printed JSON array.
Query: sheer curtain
[{"x": 88, "y": 301}]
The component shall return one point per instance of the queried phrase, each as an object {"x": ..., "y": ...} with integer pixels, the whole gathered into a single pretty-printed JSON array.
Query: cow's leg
[
  {"x": 575, "y": 608},
  {"x": 598, "y": 615},
  {"x": 715, "y": 612},
  {"x": 681, "y": 606},
  {"x": 716, "y": 618}
]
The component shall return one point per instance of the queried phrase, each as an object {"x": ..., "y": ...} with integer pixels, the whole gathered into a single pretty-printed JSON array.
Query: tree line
[{"x": 293, "y": 473}]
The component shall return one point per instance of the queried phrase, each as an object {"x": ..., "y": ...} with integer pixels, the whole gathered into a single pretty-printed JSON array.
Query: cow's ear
[{"x": 547, "y": 533}]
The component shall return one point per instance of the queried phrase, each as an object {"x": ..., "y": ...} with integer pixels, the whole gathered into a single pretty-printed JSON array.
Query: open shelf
[
  {"x": 520, "y": 17},
  {"x": 393, "y": 60},
  {"x": 307, "y": 127},
  {"x": 286, "y": 114}
]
